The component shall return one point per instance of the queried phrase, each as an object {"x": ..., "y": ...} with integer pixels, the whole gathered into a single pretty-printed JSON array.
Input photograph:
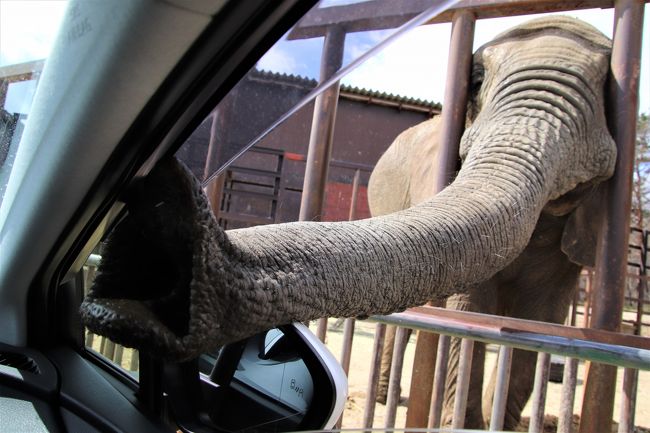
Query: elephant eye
[
  {"x": 473, "y": 106},
  {"x": 478, "y": 73}
]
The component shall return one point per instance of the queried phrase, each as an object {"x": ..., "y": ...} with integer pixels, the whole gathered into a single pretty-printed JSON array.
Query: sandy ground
[{"x": 359, "y": 372}]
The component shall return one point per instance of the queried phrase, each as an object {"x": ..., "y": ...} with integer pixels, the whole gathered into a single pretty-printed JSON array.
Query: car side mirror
[{"x": 283, "y": 379}]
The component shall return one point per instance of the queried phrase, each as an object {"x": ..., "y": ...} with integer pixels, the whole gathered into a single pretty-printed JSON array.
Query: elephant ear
[{"x": 580, "y": 236}]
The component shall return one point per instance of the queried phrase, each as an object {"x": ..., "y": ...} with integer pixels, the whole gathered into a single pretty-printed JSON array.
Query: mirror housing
[{"x": 283, "y": 379}]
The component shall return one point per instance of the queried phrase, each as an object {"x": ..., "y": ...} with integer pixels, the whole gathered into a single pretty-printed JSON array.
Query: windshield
[{"x": 27, "y": 33}]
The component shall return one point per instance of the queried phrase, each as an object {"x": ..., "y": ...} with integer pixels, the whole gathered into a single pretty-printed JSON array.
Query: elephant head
[{"x": 537, "y": 133}]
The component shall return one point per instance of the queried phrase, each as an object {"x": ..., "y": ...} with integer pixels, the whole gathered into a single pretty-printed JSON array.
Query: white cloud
[
  {"x": 413, "y": 66},
  {"x": 278, "y": 60},
  {"x": 416, "y": 64}
]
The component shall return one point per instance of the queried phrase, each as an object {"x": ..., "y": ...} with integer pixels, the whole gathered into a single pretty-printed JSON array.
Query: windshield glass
[{"x": 27, "y": 33}]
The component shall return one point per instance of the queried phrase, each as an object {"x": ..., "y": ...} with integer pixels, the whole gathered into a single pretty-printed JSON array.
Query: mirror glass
[
  {"x": 282, "y": 379},
  {"x": 270, "y": 365}
]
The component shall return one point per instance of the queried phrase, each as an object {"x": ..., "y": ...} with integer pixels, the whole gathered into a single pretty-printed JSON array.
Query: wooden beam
[{"x": 388, "y": 14}]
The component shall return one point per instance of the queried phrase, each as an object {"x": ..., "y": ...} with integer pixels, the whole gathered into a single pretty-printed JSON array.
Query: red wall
[{"x": 337, "y": 202}]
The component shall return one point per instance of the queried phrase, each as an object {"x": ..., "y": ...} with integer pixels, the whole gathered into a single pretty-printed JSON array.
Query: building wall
[{"x": 363, "y": 131}]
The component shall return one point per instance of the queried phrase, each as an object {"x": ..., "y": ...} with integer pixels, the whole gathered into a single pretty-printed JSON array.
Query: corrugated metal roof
[{"x": 372, "y": 96}]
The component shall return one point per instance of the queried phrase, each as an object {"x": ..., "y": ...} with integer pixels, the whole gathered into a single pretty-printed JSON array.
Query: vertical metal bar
[
  {"x": 612, "y": 250},
  {"x": 437, "y": 399},
  {"x": 501, "y": 388},
  {"x": 568, "y": 394},
  {"x": 628, "y": 400},
  {"x": 321, "y": 329},
  {"x": 462, "y": 383},
  {"x": 346, "y": 352},
  {"x": 219, "y": 130},
  {"x": 542, "y": 370},
  {"x": 321, "y": 137},
  {"x": 394, "y": 388},
  {"x": 373, "y": 378},
  {"x": 457, "y": 83},
  {"x": 355, "y": 192}
]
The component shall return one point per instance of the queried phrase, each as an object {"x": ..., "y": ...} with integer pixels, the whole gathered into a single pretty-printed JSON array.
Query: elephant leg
[
  {"x": 519, "y": 388},
  {"x": 539, "y": 285},
  {"x": 387, "y": 361},
  {"x": 479, "y": 299}
]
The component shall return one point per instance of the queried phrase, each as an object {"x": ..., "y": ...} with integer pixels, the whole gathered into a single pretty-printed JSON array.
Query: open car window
[{"x": 255, "y": 139}]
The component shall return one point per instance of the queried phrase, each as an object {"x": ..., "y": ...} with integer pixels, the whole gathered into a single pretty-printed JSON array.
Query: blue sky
[{"x": 414, "y": 66}]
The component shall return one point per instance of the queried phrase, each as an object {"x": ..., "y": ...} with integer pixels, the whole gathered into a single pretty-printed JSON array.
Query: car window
[
  {"x": 256, "y": 135},
  {"x": 27, "y": 33}
]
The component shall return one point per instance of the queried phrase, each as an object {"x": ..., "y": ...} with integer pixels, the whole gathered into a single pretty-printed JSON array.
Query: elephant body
[{"x": 535, "y": 147}]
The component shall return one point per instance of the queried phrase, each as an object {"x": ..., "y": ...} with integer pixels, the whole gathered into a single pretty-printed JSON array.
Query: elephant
[
  {"x": 175, "y": 285},
  {"x": 538, "y": 285}
]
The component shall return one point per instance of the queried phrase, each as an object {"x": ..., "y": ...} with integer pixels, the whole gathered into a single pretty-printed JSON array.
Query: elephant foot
[{"x": 382, "y": 394}]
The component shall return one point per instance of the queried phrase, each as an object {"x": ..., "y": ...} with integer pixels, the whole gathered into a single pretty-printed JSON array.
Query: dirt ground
[{"x": 360, "y": 369}]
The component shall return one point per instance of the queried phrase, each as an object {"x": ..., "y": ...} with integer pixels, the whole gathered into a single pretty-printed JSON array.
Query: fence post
[
  {"x": 612, "y": 250},
  {"x": 462, "y": 383},
  {"x": 453, "y": 122},
  {"x": 439, "y": 379},
  {"x": 542, "y": 370},
  {"x": 628, "y": 400},
  {"x": 371, "y": 393},
  {"x": 321, "y": 138},
  {"x": 501, "y": 388},
  {"x": 569, "y": 381},
  {"x": 401, "y": 338}
]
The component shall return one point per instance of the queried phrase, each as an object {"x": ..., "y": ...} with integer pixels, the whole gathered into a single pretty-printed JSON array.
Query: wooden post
[
  {"x": 453, "y": 123},
  {"x": 321, "y": 138},
  {"x": 611, "y": 266},
  {"x": 348, "y": 326},
  {"x": 439, "y": 379}
]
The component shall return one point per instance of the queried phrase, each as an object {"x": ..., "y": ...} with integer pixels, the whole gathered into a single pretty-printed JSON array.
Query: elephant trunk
[{"x": 226, "y": 286}]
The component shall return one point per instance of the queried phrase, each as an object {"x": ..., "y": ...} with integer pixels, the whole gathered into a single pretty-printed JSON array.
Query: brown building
[{"x": 265, "y": 184}]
